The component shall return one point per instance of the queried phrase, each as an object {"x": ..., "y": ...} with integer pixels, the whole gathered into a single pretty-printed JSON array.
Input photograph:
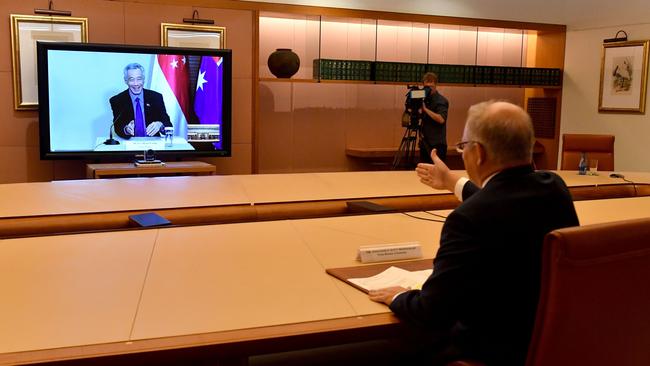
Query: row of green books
[
  {"x": 343, "y": 69},
  {"x": 328, "y": 69}
]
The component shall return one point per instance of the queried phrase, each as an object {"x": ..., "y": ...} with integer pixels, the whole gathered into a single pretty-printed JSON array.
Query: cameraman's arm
[{"x": 438, "y": 117}]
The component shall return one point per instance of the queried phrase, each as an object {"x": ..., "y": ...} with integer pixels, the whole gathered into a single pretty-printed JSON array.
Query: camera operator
[{"x": 434, "y": 121}]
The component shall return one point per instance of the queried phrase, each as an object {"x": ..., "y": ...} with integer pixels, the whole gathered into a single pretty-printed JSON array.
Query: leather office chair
[
  {"x": 595, "y": 297},
  {"x": 599, "y": 147}
]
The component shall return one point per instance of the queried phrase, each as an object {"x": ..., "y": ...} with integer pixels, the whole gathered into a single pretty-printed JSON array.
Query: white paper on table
[{"x": 393, "y": 276}]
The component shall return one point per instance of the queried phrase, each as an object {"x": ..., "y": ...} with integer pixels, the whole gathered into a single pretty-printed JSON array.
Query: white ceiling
[{"x": 576, "y": 14}]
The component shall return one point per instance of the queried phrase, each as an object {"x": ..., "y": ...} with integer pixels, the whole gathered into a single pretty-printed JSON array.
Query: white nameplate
[
  {"x": 149, "y": 144},
  {"x": 389, "y": 252}
]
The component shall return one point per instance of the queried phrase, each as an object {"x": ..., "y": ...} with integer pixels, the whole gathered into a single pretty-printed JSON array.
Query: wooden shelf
[
  {"x": 383, "y": 152},
  {"x": 131, "y": 170},
  {"x": 371, "y": 82},
  {"x": 389, "y": 152},
  {"x": 278, "y": 80}
]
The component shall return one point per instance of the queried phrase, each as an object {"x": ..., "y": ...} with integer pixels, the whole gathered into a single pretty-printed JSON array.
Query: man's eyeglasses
[
  {"x": 138, "y": 79},
  {"x": 461, "y": 145}
]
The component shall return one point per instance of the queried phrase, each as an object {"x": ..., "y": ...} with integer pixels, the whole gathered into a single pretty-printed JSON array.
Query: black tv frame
[{"x": 46, "y": 152}]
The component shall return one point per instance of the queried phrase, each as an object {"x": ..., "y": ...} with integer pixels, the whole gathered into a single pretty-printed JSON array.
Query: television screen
[{"x": 111, "y": 100}]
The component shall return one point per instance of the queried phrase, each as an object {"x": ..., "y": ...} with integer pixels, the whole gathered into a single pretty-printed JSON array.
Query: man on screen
[{"x": 138, "y": 111}]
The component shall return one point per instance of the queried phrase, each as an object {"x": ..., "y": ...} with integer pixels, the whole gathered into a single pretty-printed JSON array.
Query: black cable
[
  {"x": 436, "y": 215},
  {"x": 421, "y": 218},
  {"x": 633, "y": 185}
]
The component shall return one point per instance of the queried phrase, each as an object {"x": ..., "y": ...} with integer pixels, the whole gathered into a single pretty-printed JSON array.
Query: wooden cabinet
[{"x": 121, "y": 170}]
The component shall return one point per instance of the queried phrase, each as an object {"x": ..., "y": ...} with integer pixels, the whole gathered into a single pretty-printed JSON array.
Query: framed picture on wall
[
  {"x": 623, "y": 77},
  {"x": 26, "y": 30},
  {"x": 194, "y": 36}
]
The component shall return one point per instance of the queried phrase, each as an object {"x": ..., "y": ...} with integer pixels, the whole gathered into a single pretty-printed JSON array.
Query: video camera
[{"x": 413, "y": 105}]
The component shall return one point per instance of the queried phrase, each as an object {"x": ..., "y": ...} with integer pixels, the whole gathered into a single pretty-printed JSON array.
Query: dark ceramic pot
[{"x": 283, "y": 63}]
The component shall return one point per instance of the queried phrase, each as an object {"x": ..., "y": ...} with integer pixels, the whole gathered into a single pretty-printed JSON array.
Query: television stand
[
  {"x": 120, "y": 170},
  {"x": 148, "y": 163}
]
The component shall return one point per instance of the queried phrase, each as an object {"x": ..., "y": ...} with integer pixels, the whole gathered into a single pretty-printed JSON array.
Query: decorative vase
[{"x": 283, "y": 63}]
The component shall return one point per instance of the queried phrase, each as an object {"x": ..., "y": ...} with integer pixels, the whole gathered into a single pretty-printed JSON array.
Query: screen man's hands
[
  {"x": 130, "y": 128},
  {"x": 153, "y": 128}
]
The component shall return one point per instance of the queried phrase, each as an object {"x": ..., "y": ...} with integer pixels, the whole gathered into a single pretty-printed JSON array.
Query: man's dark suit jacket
[
  {"x": 153, "y": 108},
  {"x": 485, "y": 284}
]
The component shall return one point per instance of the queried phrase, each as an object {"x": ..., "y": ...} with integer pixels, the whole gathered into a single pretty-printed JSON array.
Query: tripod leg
[
  {"x": 402, "y": 151},
  {"x": 410, "y": 152}
]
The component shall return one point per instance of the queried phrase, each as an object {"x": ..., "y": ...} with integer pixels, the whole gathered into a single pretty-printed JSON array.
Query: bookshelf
[
  {"x": 468, "y": 75},
  {"x": 378, "y": 50},
  {"x": 354, "y": 68}
]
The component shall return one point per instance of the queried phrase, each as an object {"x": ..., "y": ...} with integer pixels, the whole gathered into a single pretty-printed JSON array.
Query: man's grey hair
[
  {"x": 132, "y": 66},
  {"x": 504, "y": 129}
]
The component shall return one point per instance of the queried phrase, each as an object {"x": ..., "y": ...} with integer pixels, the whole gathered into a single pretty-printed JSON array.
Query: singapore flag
[{"x": 170, "y": 77}]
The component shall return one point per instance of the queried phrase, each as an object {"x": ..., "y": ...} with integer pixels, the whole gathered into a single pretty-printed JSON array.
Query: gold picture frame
[
  {"x": 192, "y": 36},
  {"x": 623, "y": 77},
  {"x": 26, "y": 30}
]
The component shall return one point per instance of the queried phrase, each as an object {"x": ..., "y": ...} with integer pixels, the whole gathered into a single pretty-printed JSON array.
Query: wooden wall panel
[
  {"x": 239, "y": 163},
  {"x": 242, "y": 112},
  {"x": 21, "y": 164},
  {"x": 275, "y": 128},
  {"x": 549, "y": 52},
  {"x": 239, "y": 36},
  {"x": 105, "y": 18},
  {"x": 140, "y": 21},
  {"x": 369, "y": 116},
  {"x": 16, "y": 128}
]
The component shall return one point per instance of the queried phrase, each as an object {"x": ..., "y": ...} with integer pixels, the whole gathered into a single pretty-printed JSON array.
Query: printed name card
[
  {"x": 151, "y": 143},
  {"x": 389, "y": 252}
]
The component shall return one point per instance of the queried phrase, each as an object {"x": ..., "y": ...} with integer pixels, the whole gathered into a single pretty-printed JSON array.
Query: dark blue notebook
[
  {"x": 149, "y": 219},
  {"x": 367, "y": 206}
]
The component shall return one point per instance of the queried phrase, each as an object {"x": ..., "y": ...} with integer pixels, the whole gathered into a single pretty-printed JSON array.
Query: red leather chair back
[
  {"x": 599, "y": 147},
  {"x": 594, "y": 304}
]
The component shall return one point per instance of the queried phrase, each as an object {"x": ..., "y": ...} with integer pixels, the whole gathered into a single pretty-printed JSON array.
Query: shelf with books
[
  {"x": 404, "y": 72},
  {"x": 357, "y": 49},
  {"x": 404, "y": 83}
]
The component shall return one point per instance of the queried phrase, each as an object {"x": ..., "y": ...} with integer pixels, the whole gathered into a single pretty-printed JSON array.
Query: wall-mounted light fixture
[
  {"x": 51, "y": 11},
  {"x": 196, "y": 20},
  {"x": 616, "y": 38}
]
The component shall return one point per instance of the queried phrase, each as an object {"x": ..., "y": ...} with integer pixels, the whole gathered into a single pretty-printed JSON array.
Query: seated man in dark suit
[
  {"x": 138, "y": 111},
  {"x": 480, "y": 301}
]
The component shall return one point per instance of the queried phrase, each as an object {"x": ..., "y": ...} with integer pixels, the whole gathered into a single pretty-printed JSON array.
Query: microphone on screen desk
[{"x": 110, "y": 140}]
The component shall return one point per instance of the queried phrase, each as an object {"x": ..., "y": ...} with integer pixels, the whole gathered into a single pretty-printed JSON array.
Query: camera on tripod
[
  {"x": 413, "y": 105},
  {"x": 415, "y": 97}
]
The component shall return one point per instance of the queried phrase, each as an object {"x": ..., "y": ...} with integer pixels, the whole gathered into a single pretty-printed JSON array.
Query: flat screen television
[{"x": 101, "y": 100}]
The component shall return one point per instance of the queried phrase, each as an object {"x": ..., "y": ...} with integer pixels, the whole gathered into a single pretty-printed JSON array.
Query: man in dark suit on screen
[
  {"x": 481, "y": 299},
  {"x": 138, "y": 111}
]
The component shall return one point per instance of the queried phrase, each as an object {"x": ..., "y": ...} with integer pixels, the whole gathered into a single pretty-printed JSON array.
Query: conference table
[
  {"x": 223, "y": 292},
  {"x": 155, "y": 193},
  {"x": 105, "y": 204}
]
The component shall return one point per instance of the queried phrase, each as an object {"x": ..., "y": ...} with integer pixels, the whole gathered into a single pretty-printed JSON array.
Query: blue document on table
[{"x": 149, "y": 219}]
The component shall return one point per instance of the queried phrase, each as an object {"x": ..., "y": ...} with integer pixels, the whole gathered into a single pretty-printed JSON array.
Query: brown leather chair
[
  {"x": 599, "y": 147},
  {"x": 594, "y": 304}
]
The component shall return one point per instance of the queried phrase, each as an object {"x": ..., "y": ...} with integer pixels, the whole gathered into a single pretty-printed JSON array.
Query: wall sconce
[
  {"x": 617, "y": 38},
  {"x": 52, "y": 12},
  {"x": 196, "y": 20}
]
